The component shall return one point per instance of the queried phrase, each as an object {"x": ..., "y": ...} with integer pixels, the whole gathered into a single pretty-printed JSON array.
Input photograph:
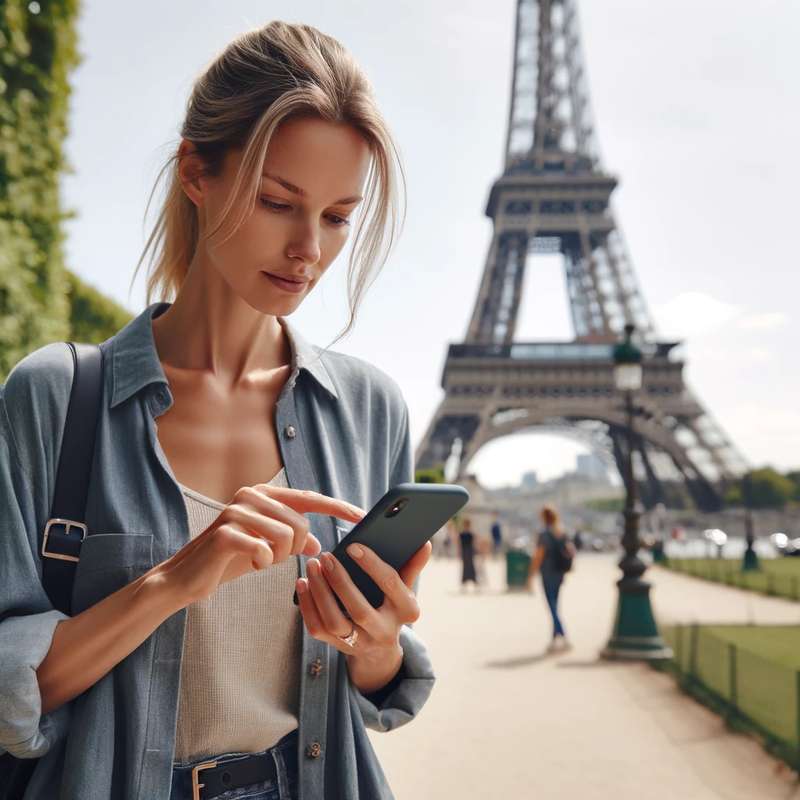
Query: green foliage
[
  {"x": 40, "y": 300},
  {"x": 794, "y": 477},
  {"x": 93, "y": 317},
  {"x": 766, "y": 488},
  {"x": 37, "y": 52},
  {"x": 430, "y": 475},
  {"x": 733, "y": 495},
  {"x": 606, "y": 504}
]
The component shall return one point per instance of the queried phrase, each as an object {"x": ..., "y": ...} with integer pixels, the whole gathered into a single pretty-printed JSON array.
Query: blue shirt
[{"x": 350, "y": 440}]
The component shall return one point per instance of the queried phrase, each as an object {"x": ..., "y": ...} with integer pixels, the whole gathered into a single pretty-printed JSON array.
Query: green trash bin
[{"x": 517, "y": 563}]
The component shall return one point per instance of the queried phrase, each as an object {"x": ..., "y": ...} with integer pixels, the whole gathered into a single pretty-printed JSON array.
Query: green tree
[
  {"x": 794, "y": 477},
  {"x": 766, "y": 488},
  {"x": 430, "y": 475}
]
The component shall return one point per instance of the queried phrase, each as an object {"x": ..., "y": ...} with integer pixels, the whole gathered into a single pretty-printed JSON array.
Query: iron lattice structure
[{"x": 554, "y": 196}]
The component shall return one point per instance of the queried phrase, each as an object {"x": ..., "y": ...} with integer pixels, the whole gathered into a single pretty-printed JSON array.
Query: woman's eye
[
  {"x": 273, "y": 204},
  {"x": 338, "y": 221}
]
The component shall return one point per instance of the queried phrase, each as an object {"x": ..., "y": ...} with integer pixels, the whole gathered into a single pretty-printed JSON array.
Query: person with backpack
[{"x": 552, "y": 559}]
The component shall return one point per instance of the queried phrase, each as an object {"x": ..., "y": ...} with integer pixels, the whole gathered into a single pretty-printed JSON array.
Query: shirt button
[
  {"x": 290, "y": 431},
  {"x": 314, "y": 750},
  {"x": 315, "y": 668}
]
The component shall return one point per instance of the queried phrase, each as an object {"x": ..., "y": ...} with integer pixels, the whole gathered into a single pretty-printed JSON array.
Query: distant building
[
  {"x": 592, "y": 467},
  {"x": 529, "y": 480}
]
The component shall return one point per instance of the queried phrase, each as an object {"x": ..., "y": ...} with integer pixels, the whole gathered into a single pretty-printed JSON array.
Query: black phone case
[{"x": 428, "y": 506}]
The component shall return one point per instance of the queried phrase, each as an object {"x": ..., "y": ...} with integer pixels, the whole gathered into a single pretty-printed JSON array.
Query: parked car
[{"x": 792, "y": 547}]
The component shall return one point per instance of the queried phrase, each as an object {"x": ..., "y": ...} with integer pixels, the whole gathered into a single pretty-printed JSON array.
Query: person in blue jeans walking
[{"x": 551, "y": 549}]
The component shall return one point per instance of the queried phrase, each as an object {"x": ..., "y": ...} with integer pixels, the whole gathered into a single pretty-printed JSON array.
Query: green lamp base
[
  {"x": 750, "y": 561},
  {"x": 635, "y": 635}
]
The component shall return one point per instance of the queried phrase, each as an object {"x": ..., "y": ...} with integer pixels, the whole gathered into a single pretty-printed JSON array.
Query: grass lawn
[
  {"x": 776, "y": 643},
  {"x": 777, "y": 576}
]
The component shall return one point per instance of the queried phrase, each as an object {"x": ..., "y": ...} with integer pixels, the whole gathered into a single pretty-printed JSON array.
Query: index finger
[{"x": 306, "y": 501}]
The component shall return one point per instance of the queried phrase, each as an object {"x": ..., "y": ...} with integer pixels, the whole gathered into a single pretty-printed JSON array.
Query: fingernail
[
  {"x": 327, "y": 562},
  {"x": 301, "y": 587},
  {"x": 355, "y": 550}
]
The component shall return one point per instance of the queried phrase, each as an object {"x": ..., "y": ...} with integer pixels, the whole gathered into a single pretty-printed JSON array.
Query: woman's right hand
[{"x": 264, "y": 525}]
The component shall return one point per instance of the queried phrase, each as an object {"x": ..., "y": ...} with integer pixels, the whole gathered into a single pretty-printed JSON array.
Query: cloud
[
  {"x": 762, "y": 322},
  {"x": 692, "y": 314}
]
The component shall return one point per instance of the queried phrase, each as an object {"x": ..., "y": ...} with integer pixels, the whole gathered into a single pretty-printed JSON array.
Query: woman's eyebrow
[{"x": 290, "y": 187}]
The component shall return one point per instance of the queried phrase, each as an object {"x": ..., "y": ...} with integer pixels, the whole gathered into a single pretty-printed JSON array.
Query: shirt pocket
[{"x": 108, "y": 562}]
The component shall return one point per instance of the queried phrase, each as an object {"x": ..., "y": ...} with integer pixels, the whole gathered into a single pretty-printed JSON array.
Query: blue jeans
[
  {"x": 282, "y": 788},
  {"x": 552, "y": 584}
]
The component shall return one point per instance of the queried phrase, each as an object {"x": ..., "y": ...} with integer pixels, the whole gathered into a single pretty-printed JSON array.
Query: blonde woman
[
  {"x": 553, "y": 549},
  {"x": 231, "y": 456}
]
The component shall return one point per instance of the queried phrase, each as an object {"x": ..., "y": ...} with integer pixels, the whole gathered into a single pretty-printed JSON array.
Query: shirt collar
[{"x": 135, "y": 363}]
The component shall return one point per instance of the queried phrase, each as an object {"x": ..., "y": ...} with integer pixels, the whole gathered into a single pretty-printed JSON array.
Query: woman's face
[{"x": 313, "y": 176}]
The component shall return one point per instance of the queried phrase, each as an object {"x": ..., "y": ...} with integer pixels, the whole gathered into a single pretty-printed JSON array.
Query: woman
[
  {"x": 466, "y": 549},
  {"x": 185, "y": 670},
  {"x": 546, "y": 560}
]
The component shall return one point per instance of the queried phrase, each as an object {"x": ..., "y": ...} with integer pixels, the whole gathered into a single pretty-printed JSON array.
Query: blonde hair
[{"x": 261, "y": 79}]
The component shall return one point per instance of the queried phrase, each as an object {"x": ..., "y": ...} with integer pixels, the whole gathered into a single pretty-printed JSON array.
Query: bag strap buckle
[{"x": 69, "y": 523}]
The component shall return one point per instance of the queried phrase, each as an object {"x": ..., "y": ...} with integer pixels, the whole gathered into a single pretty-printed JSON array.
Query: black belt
[{"x": 211, "y": 778}]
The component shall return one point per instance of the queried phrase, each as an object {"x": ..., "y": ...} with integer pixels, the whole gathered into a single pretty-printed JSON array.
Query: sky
[{"x": 696, "y": 113}]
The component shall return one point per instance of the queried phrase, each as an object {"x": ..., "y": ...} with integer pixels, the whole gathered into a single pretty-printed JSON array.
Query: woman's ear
[{"x": 190, "y": 171}]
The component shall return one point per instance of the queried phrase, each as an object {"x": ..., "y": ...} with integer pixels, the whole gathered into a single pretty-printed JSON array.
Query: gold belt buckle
[{"x": 196, "y": 785}]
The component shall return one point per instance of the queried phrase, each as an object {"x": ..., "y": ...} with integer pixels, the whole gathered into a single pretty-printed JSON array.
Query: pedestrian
[
  {"x": 483, "y": 550},
  {"x": 497, "y": 537},
  {"x": 466, "y": 549},
  {"x": 183, "y": 662},
  {"x": 554, "y": 552}
]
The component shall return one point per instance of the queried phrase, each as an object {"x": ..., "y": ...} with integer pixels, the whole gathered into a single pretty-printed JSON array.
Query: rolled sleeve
[
  {"x": 27, "y": 617},
  {"x": 405, "y": 701},
  {"x": 24, "y": 642}
]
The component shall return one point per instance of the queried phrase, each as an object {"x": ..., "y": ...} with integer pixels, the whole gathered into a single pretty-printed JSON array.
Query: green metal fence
[
  {"x": 761, "y": 691},
  {"x": 781, "y": 583}
]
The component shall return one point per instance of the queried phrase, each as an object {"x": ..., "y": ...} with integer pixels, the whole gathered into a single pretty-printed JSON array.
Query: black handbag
[{"x": 60, "y": 542}]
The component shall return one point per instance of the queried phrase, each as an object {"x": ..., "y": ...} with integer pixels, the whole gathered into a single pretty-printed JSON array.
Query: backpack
[
  {"x": 564, "y": 554},
  {"x": 59, "y": 547}
]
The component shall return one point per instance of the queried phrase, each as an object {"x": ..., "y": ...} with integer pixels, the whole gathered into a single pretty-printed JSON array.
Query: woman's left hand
[{"x": 376, "y": 657}]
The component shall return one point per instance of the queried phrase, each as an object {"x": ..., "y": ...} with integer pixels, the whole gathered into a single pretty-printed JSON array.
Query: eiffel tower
[{"x": 554, "y": 197}]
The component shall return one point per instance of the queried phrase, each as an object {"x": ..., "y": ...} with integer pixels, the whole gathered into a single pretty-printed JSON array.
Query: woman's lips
[{"x": 293, "y": 287}]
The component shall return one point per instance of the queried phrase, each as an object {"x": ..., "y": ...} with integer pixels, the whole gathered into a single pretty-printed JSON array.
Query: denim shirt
[{"x": 342, "y": 427}]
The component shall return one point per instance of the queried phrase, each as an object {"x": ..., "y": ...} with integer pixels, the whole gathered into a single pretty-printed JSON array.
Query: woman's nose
[{"x": 305, "y": 245}]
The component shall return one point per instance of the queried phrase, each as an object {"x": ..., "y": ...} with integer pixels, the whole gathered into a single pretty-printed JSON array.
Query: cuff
[
  {"x": 402, "y": 698},
  {"x": 24, "y": 642}
]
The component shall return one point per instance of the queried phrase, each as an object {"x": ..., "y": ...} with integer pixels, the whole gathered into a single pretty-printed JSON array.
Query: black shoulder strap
[{"x": 66, "y": 529}]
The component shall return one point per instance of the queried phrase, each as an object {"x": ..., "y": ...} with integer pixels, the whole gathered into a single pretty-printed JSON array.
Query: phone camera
[{"x": 397, "y": 507}]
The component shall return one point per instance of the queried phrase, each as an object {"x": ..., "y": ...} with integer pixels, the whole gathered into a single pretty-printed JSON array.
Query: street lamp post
[
  {"x": 635, "y": 634},
  {"x": 750, "y": 560}
]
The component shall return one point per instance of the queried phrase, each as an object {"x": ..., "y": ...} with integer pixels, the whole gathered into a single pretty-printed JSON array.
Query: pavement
[{"x": 506, "y": 720}]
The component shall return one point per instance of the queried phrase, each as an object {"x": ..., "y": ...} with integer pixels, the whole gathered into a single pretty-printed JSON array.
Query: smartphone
[{"x": 396, "y": 527}]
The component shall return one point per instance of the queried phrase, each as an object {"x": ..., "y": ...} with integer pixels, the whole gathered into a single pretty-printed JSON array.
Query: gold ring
[{"x": 351, "y": 637}]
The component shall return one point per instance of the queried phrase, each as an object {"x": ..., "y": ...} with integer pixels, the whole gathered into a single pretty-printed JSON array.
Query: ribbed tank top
[{"x": 241, "y": 652}]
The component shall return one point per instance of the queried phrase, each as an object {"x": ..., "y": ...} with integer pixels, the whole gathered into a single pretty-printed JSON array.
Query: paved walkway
[{"x": 506, "y": 721}]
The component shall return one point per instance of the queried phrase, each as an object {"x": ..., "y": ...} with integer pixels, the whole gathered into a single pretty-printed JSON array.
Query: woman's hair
[
  {"x": 550, "y": 518},
  {"x": 263, "y": 78}
]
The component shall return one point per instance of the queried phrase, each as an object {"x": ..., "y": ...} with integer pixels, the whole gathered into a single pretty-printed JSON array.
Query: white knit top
[{"x": 239, "y": 688}]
